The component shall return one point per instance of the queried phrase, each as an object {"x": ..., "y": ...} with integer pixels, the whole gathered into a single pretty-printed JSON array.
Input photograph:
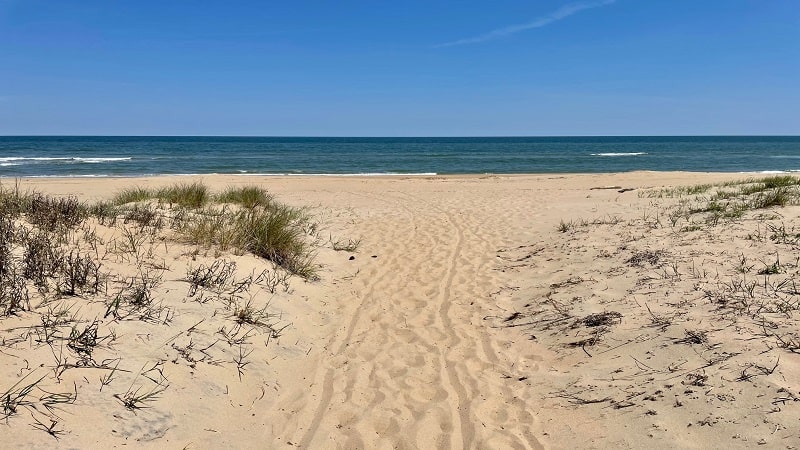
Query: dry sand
[{"x": 466, "y": 319}]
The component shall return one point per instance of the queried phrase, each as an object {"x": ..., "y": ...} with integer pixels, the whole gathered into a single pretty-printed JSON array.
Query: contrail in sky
[{"x": 555, "y": 16}]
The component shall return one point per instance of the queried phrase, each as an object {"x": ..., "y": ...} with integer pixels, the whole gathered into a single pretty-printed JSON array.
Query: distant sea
[{"x": 99, "y": 156}]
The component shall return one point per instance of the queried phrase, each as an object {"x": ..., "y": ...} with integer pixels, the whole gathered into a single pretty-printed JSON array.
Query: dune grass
[
  {"x": 193, "y": 195},
  {"x": 740, "y": 188},
  {"x": 132, "y": 195},
  {"x": 13, "y": 202},
  {"x": 732, "y": 199},
  {"x": 260, "y": 226},
  {"x": 275, "y": 233},
  {"x": 59, "y": 255},
  {"x": 186, "y": 195},
  {"x": 246, "y": 196}
]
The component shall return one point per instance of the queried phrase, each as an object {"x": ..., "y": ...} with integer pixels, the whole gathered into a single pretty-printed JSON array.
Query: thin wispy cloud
[{"x": 555, "y": 16}]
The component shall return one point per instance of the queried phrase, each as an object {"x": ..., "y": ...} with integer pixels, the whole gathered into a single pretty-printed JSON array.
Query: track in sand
[{"x": 412, "y": 366}]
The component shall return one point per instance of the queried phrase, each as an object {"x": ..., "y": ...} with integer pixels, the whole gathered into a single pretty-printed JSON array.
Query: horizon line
[{"x": 396, "y": 137}]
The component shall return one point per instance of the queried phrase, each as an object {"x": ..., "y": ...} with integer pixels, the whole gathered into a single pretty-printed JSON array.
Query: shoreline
[
  {"x": 398, "y": 174},
  {"x": 637, "y": 180}
]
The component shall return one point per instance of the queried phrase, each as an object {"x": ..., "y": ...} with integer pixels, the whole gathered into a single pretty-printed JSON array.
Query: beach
[{"x": 463, "y": 311}]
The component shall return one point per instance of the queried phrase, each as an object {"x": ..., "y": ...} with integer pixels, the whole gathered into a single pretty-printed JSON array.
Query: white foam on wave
[
  {"x": 37, "y": 158},
  {"x": 69, "y": 176},
  {"x": 772, "y": 172},
  {"x": 620, "y": 154},
  {"x": 101, "y": 160},
  {"x": 142, "y": 175},
  {"x": 366, "y": 174},
  {"x": 91, "y": 160}
]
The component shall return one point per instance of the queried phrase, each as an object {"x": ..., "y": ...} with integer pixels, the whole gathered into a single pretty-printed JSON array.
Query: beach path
[{"x": 411, "y": 364}]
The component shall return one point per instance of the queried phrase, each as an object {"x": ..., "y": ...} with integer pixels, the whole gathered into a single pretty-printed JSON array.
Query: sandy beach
[{"x": 493, "y": 311}]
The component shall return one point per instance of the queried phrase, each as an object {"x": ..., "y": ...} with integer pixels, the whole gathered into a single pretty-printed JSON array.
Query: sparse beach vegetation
[
  {"x": 83, "y": 269},
  {"x": 728, "y": 200},
  {"x": 719, "y": 277},
  {"x": 632, "y": 307}
]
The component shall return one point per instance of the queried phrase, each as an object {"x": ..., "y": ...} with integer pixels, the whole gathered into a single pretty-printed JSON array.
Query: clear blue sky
[{"x": 404, "y": 68}]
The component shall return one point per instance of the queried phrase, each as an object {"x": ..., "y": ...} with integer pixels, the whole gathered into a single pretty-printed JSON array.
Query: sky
[{"x": 405, "y": 68}]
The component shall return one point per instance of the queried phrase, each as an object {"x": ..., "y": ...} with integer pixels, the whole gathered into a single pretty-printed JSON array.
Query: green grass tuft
[
  {"x": 732, "y": 199},
  {"x": 132, "y": 195},
  {"x": 193, "y": 195},
  {"x": 276, "y": 233},
  {"x": 246, "y": 196}
]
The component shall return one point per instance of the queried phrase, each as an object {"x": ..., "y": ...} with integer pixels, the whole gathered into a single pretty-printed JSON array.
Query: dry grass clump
[
  {"x": 14, "y": 296},
  {"x": 7, "y": 231},
  {"x": 349, "y": 245},
  {"x": 583, "y": 223},
  {"x": 55, "y": 214}
]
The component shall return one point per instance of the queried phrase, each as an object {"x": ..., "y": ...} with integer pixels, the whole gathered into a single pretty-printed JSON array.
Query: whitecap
[
  {"x": 36, "y": 158},
  {"x": 363, "y": 174},
  {"x": 101, "y": 160},
  {"x": 77, "y": 159}
]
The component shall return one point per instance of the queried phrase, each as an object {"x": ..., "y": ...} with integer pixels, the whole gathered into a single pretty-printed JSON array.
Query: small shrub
[
  {"x": 217, "y": 276},
  {"x": 13, "y": 202},
  {"x": 776, "y": 197},
  {"x": 56, "y": 214},
  {"x": 249, "y": 314},
  {"x": 565, "y": 226},
  {"x": 78, "y": 273},
  {"x": 105, "y": 212},
  {"x": 7, "y": 233},
  {"x": 41, "y": 259},
  {"x": 145, "y": 216},
  {"x": 13, "y": 293},
  {"x": 778, "y": 181},
  {"x": 136, "y": 300}
]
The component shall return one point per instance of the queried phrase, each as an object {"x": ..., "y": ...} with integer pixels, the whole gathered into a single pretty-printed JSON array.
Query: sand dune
[{"x": 428, "y": 335}]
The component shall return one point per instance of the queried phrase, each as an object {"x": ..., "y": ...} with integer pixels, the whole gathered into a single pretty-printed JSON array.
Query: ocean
[{"x": 98, "y": 156}]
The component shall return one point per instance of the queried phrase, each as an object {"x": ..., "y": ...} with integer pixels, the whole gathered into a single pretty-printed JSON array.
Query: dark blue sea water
[{"x": 22, "y": 156}]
